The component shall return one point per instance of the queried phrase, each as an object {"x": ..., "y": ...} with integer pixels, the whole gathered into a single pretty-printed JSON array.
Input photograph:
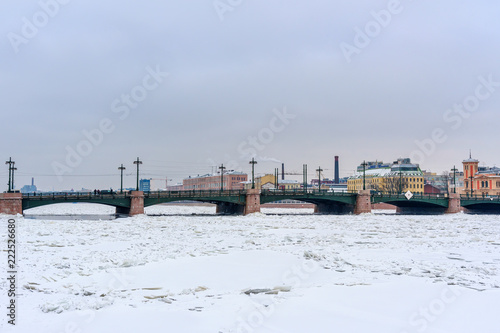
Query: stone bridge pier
[
  {"x": 453, "y": 204},
  {"x": 363, "y": 202},
  {"x": 251, "y": 205},
  {"x": 136, "y": 204},
  {"x": 11, "y": 203}
]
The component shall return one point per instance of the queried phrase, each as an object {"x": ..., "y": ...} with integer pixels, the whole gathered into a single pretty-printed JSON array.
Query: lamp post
[
  {"x": 253, "y": 162},
  {"x": 9, "y": 162},
  {"x": 364, "y": 178},
  {"x": 137, "y": 162},
  {"x": 276, "y": 176},
  {"x": 400, "y": 180},
  {"x": 13, "y": 169},
  {"x": 454, "y": 179},
  {"x": 304, "y": 171},
  {"x": 121, "y": 168},
  {"x": 222, "y": 167},
  {"x": 319, "y": 177}
]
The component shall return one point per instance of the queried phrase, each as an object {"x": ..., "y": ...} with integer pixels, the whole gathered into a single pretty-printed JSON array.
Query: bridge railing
[
  {"x": 479, "y": 197},
  {"x": 428, "y": 196},
  {"x": 114, "y": 195},
  {"x": 73, "y": 195},
  {"x": 296, "y": 192},
  {"x": 194, "y": 193}
]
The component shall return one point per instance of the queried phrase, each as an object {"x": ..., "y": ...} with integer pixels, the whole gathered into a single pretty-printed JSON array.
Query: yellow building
[
  {"x": 266, "y": 181},
  {"x": 269, "y": 182},
  {"x": 286, "y": 184},
  {"x": 400, "y": 177}
]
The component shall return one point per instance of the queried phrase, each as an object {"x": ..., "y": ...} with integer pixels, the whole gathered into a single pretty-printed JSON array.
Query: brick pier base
[
  {"x": 136, "y": 203},
  {"x": 11, "y": 203},
  {"x": 252, "y": 204},
  {"x": 363, "y": 202},
  {"x": 453, "y": 204}
]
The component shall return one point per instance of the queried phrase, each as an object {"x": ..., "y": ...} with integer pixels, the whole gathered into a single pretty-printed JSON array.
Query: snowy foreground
[{"x": 258, "y": 273}]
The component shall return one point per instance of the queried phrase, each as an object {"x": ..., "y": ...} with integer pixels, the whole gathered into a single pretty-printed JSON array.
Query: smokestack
[
  {"x": 32, "y": 181},
  {"x": 283, "y": 171},
  {"x": 337, "y": 180}
]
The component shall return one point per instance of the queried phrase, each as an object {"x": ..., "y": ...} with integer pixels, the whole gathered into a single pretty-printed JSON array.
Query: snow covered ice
[{"x": 297, "y": 272}]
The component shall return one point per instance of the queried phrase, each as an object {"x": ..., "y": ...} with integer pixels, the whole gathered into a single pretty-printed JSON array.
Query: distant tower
[
  {"x": 470, "y": 169},
  {"x": 337, "y": 180},
  {"x": 283, "y": 171},
  {"x": 32, "y": 181}
]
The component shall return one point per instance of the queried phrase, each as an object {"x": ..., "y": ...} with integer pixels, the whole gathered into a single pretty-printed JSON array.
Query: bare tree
[
  {"x": 446, "y": 180},
  {"x": 395, "y": 184}
]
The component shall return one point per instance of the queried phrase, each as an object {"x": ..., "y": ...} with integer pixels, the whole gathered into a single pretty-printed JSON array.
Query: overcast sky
[{"x": 188, "y": 85}]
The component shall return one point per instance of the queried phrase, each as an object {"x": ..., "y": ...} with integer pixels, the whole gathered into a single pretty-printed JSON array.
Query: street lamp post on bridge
[
  {"x": 304, "y": 170},
  {"x": 222, "y": 167},
  {"x": 13, "y": 169},
  {"x": 253, "y": 162},
  {"x": 10, "y": 163},
  {"x": 319, "y": 177},
  {"x": 364, "y": 178},
  {"x": 137, "y": 162},
  {"x": 121, "y": 168},
  {"x": 454, "y": 179}
]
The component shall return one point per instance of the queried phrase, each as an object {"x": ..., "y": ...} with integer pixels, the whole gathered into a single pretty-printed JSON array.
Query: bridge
[
  {"x": 326, "y": 202},
  {"x": 249, "y": 201},
  {"x": 418, "y": 203},
  {"x": 480, "y": 204}
]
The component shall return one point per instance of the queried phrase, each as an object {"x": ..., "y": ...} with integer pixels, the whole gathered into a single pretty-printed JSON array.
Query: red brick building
[{"x": 233, "y": 180}]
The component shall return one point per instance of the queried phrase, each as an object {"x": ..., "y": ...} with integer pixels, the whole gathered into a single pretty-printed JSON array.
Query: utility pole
[
  {"x": 454, "y": 179},
  {"x": 400, "y": 180},
  {"x": 9, "y": 162},
  {"x": 121, "y": 168},
  {"x": 276, "y": 175},
  {"x": 222, "y": 167},
  {"x": 304, "y": 170},
  {"x": 364, "y": 178},
  {"x": 13, "y": 169},
  {"x": 253, "y": 162},
  {"x": 319, "y": 177},
  {"x": 137, "y": 162}
]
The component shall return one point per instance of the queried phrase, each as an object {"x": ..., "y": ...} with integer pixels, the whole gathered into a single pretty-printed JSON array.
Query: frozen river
[{"x": 296, "y": 272}]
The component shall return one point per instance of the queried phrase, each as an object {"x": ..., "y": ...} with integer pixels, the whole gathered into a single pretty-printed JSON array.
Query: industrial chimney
[
  {"x": 337, "y": 180},
  {"x": 283, "y": 171}
]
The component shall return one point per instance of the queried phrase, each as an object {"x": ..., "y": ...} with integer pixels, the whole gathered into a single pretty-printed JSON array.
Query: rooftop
[{"x": 229, "y": 172}]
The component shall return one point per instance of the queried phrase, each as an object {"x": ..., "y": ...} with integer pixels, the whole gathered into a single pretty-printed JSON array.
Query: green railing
[
  {"x": 480, "y": 197},
  {"x": 194, "y": 194},
  {"x": 73, "y": 196},
  {"x": 299, "y": 192},
  {"x": 421, "y": 196}
]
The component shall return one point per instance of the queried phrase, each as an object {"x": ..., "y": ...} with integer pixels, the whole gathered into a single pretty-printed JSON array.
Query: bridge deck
[
  {"x": 415, "y": 200},
  {"x": 313, "y": 196}
]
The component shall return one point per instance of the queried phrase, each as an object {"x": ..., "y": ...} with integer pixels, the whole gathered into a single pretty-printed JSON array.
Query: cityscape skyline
[{"x": 130, "y": 178}]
